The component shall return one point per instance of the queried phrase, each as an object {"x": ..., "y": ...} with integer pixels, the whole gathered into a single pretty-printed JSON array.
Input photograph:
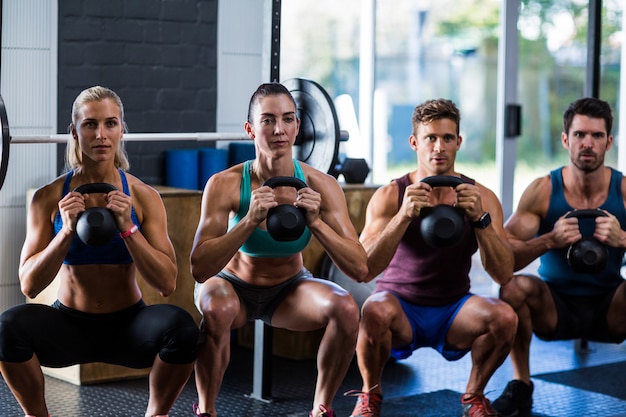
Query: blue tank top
[
  {"x": 260, "y": 244},
  {"x": 423, "y": 275},
  {"x": 114, "y": 252},
  {"x": 553, "y": 267}
]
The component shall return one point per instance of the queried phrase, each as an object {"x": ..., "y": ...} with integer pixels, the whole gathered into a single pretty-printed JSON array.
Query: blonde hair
[{"x": 73, "y": 153}]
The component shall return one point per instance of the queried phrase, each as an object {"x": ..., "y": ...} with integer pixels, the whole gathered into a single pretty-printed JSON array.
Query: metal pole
[
  {"x": 594, "y": 38},
  {"x": 507, "y": 110}
]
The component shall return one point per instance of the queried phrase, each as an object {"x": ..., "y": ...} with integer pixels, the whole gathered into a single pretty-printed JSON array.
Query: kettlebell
[
  {"x": 285, "y": 222},
  {"x": 443, "y": 225},
  {"x": 588, "y": 255},
  {"x": 96, "y": 226}
]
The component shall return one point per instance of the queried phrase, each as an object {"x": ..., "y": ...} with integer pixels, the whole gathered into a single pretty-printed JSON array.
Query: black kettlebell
[
  {"x": 443, "y": 225},
  {"x": 96, "y": 226},
  {"x": 588, "y": 255},
  {"x": 285, "y": 222}
]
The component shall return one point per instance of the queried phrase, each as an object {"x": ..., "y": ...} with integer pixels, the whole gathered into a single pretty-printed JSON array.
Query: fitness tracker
[{"x": 482, "y": 222}]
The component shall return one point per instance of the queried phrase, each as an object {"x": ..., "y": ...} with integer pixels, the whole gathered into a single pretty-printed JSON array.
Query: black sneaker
[{"x": 516, "y": 399}]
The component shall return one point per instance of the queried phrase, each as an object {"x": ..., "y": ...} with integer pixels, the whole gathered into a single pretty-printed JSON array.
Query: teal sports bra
[{"x": 260, "y": 244}]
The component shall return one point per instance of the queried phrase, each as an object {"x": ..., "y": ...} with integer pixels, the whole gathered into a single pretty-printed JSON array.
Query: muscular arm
[
  {"x": 213, "y": 247},
  {"x": 42, "y": 255},
  {"x": 332, "y": 227},
  {"x": 495, "y": 253},
  {"x": 523, "y": 225},
  {"x": 385, "y": 224},
  {"x": 151, "y": 249}
]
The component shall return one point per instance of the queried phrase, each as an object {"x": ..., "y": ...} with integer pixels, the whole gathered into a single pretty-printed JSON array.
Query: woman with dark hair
[{"x": 243, "y": 273}]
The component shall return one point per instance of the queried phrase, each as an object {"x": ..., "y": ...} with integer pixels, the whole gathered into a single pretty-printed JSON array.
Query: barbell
[{"x": 317, "y": 143}]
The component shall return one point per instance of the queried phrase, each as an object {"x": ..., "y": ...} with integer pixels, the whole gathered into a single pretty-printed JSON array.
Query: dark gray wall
[{"x": 160, "y": 56}]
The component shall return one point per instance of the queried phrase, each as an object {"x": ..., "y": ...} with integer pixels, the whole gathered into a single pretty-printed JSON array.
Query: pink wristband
[{"x": 129, "y": 232}]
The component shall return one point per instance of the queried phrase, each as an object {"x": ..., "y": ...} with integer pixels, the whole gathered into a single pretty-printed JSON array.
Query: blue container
[
  {"x": 239, "y": 152},
  {"x": 212, "y": 160},
  {"x": 181, "y": 168}
]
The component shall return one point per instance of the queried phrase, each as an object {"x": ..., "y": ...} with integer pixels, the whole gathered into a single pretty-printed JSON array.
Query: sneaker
[
  {"x": 368, "y": 404},
  {"x": 477, "y": 406},
  {"x": 517, "y": 398},
  {"x": 325, "y": 412},
  {"x": 196, "y": 411}
]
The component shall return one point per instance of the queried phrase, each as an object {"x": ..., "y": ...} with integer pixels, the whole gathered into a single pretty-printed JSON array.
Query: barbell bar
[{"x": 317, "y": 143}]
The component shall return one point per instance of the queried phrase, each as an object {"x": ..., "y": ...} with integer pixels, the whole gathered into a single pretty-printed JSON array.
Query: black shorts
[
  {"x": 581, "y": 317},
  {"x": 260, "y": 302},
  {"x": 61, "y": 336}
]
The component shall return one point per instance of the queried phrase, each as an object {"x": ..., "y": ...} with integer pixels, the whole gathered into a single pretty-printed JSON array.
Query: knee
[
  {"x": 376, "y": 314},
  {"x": 13, "y": 346},
  {"x": 181, "y": 339},
  {"x": 218, "y": 312},
  {"x": 505, "y": 322},
  {"x": 515, "y": 291},
  {"x": 345, "y": 310}
]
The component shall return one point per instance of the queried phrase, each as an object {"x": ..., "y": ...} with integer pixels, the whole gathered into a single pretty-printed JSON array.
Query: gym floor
[{"x": 569, "y": 382}]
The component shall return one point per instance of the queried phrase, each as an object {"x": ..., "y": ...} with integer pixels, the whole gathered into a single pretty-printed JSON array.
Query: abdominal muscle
[
  {"x": 264, "y": 272},
  {"x": 98, "y": 288}
]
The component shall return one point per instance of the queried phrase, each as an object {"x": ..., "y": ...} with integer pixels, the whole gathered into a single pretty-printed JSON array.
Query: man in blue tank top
[
  {"x": 563, "y": 303},
  {"x": 424, "y": 299}
]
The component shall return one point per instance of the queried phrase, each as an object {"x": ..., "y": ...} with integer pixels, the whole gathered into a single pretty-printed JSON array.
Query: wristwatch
[{"x": 482, "y": 222}]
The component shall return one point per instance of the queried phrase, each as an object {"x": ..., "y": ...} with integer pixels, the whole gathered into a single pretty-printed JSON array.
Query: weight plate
[
  {"x": 6, "y": 141},
  {"x": 317, "y": 143}
]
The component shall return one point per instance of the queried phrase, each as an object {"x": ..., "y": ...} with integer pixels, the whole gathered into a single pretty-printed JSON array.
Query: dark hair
[
  {"x": 590, "y": 107},
  {"x": 267, "y": 89},
  {"x": 434, "y": 110}
]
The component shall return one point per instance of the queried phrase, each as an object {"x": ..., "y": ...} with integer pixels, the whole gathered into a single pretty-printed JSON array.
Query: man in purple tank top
[
  {"x": 564, "y": 303},
  {"x": 424, "y": 299}
]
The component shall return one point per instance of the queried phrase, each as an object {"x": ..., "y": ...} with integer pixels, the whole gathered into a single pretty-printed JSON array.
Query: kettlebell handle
[
  {"x": 586, "y": 213},
  {"x": 284, "y": 181},
  {"x": 95, "y": 187},
  {"x": 442, "y": 181}
]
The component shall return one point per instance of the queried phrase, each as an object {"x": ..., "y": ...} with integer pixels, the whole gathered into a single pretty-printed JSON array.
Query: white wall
[
  {"x": 241, "y": 60},
  {"x": 28, "y": 87}
]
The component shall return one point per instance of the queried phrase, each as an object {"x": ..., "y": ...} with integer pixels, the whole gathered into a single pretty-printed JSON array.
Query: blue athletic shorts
[{"x": 430, "y": 328}]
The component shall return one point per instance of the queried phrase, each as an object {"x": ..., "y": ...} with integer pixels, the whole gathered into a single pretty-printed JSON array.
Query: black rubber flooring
[{"x": 425, "y": 380}]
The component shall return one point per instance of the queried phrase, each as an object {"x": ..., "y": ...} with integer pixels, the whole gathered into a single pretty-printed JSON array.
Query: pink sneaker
[
  {"x": 325, "y": 412},
  {"x": 477, "y": 406},
  {"x": 368, "y": 404}
]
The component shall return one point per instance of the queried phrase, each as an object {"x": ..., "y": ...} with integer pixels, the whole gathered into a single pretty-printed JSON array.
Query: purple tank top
[{"x": 423, "y": 275}]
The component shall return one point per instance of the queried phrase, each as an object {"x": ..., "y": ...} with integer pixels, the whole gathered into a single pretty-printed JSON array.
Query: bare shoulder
[
  {"x": 536, "y": 196},
  {"x": 225, "y": 182},
  {"x": 320, "y": 181},
  {"x": 385, "y": 199},
  {"x": 141, "y": 191},
  {"x": 49, "y": 195}
]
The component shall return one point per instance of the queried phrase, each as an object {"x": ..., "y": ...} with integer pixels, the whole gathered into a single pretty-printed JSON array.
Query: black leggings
[{"x": 61, "y": 336}]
